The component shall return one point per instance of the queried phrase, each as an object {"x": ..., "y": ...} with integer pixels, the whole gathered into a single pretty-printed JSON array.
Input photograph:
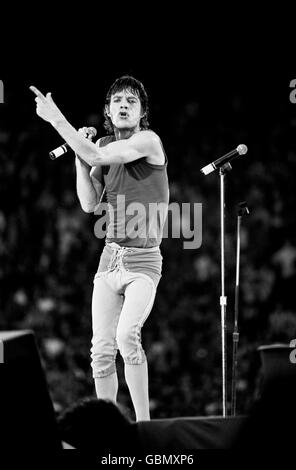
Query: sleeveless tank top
[{"x": 138, "y": 196}]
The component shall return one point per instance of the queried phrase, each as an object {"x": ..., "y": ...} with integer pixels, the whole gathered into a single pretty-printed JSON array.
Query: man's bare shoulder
[
  {"x": 151, "y": 142},
  {"x": 146, "y": 135}
]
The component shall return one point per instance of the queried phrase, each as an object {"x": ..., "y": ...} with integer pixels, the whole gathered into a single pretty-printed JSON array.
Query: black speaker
[
  {"x": 213, "y": 432},
  {"x": 272, "y": 417},
  {"x": 26, "y": 411},
  {"x": 276, "y": 362}
]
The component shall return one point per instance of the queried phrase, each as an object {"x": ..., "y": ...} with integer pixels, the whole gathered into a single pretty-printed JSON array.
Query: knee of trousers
[
  {"x": 103, "y": 362},
  {"x": 130, "y": 346}
]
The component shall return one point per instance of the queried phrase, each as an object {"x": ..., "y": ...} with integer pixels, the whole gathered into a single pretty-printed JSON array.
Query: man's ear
[
  {"x": 142, "y": 113},
  {"x": 107, "y": 110}
]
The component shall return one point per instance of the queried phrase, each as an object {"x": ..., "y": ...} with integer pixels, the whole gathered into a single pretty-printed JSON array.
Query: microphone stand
[
  {"x": 226, "y": 167},
  {"x": 235, "y": 335},
  {"x": 223, "y": 299}
]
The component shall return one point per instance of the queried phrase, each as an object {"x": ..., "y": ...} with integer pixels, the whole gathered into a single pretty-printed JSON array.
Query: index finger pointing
[{"x": 37, "y": 92}]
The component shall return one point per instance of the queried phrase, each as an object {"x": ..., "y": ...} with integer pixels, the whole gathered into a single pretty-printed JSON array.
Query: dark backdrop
[{"x": 202, "y": 106}]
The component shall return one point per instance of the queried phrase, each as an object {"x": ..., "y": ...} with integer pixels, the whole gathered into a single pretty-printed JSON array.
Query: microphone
[
  {"x": 54, "y": 154},
  {"x": 240, "y": 150}
]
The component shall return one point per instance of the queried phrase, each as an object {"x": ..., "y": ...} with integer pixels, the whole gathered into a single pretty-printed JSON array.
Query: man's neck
[{"x": 121, "y": 134}]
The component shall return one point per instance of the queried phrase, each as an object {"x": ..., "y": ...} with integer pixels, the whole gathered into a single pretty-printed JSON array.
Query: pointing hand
[{"x": 46, "y": 107}]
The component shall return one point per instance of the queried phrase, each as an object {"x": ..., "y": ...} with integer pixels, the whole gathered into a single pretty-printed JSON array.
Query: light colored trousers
[{"x": 122, "y": 300}]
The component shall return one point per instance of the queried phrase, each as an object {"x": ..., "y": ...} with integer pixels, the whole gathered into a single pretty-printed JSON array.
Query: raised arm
[{"x": 142, "y": 144}]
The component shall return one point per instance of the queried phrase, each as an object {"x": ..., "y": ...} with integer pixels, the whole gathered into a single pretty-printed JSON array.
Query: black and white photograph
[{"x": 148, "y": 251}]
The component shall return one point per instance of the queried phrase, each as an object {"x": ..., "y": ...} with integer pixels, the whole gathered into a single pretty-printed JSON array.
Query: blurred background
[{"x": 49, "y": 253}]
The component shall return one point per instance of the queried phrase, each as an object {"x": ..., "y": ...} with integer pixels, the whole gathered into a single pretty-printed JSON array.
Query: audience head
[{"x": 97, "y": 425}]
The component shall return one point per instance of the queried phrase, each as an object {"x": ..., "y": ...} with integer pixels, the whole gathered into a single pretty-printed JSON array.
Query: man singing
[{"x": 131, "y": 163}]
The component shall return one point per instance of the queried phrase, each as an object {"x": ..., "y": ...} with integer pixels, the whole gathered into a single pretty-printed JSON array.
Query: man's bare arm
[
  {"x": 86, "y": 191},
  {"x": 142, "y": 144},
  {"x": 96, "y": 176},
  {"x": 89, "y": 185}
]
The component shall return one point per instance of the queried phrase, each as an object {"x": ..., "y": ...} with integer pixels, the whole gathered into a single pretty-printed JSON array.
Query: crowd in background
[{"x": 49, "y": 255}]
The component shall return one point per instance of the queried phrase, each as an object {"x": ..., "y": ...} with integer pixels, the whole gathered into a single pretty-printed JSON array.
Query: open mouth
[{"x": 123, "y": 115}]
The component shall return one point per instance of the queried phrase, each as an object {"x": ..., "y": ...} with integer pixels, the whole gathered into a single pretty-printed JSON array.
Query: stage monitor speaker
[
  {"x": 27, "y": 415},
  {"x": 276, "y": 362},
  {"x": 213, "y": 432}
]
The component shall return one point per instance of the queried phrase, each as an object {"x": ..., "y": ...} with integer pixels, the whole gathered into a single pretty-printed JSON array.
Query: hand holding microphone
[{"x": 87, "y": 132}]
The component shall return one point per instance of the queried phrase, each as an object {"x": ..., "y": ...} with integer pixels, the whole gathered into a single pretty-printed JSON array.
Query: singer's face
[{"x": 125, "y": 110}]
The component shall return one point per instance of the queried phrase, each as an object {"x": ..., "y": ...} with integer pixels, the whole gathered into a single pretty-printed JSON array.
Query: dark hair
[
  {"x": 95, "y": 424},
  {"x": 126, "y": 82}
]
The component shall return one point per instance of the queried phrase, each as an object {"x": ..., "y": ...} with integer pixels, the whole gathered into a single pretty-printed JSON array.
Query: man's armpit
[{"x": 96, "y": 172}]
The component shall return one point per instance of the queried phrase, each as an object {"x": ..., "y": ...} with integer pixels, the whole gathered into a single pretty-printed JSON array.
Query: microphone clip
[{"x": 225, "y": 168}]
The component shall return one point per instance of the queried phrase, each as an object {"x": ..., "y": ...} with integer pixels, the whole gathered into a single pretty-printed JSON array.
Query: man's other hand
[{"x": 46, "y": 107}]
